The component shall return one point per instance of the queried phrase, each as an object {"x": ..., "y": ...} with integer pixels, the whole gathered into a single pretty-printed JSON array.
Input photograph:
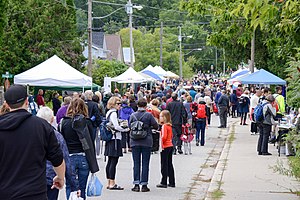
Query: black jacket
[
  {"x": 26, "y": 142},
  {"x": 94, "y": 111},
  {"x": 149, "y": 124},
  {"x": 178, "y": 112}
]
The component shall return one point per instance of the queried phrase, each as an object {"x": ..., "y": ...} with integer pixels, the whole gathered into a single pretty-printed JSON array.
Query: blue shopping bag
[{"x": 94, "y": 186}]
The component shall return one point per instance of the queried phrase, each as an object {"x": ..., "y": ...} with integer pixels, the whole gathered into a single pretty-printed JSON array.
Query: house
[
  {"x": 99, "y": 50},
  {"x": 114, "y": 47}
]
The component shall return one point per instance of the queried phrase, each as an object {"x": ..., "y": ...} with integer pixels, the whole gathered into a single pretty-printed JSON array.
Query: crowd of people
[{"x": 165, "y": 111}]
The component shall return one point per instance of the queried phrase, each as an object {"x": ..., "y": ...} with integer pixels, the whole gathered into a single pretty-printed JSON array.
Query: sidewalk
[{"x": 242, "y": 174}]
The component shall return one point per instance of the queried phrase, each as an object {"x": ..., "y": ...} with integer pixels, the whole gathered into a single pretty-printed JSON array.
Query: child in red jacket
[{"x": 166, "y": 155}]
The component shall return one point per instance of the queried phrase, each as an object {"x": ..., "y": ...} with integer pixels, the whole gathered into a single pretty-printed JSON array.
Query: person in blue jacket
[
  {"x": 234, "y": 103},
  {"x": 244, "y": 103},
  {"x": 124, "y": 114}
]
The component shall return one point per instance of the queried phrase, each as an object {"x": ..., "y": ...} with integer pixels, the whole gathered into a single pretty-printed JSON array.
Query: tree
[
  {"x": 293, "y": 78},
  {"x": 3, "y": 5},
  {"x": 103, "y": 68},
  {"x": 35, "y": 31},
  {"x": 233, "y": 23}
]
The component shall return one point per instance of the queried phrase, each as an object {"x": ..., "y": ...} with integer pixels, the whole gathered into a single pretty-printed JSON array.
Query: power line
[{"x": 108, "y": 3}]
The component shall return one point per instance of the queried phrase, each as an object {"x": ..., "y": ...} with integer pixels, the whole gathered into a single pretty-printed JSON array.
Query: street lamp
[
  {"x": 180, "y": 50},
  {"x": 197, "y": 49},
  {"x": 129, "y": 9}
]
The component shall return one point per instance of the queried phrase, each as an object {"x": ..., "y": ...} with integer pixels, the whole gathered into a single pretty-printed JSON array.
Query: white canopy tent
[
  {"x": 129, "y": 76},
  {"x": 150, "y": 68},
  {"x": 170, "y": 74},
  {"x": 159, "y": 71},
  {"x": 53, "y": 72}
]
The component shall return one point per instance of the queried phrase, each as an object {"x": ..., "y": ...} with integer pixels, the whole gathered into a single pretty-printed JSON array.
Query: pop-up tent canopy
[
  {"x": 129, "y": 76},
  {"x": 262, "y": 77},
  {"x": 170, "y": 74},
  {"x": 152, "y": 74},
  {"x": 149, "y": 68},
  {"x": 53, "y": 72},
  {"x": 159, "y": 71},
  {"x": 239, "y": 72}
]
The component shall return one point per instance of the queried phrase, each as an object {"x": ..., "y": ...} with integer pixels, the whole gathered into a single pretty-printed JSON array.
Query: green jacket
[{"x": 281, "y": 104}]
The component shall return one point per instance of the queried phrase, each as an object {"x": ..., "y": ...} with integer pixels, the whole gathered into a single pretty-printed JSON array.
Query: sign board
[
  {"x": 107, "y": 84},
  {"x": 7, "y": 75}
]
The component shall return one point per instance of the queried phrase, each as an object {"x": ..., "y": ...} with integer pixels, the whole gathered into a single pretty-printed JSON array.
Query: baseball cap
[{"x": 15, "y": 94}]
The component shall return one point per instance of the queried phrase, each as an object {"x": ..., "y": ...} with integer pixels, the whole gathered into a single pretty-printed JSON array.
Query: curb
[{"x": 216, "y": 181}]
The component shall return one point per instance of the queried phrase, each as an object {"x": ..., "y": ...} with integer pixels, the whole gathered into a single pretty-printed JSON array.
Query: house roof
[
  {"x": 114, "y": 45},
  {"x": 98, "y": 39}
]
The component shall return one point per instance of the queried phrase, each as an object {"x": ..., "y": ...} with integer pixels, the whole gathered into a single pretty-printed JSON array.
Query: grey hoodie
[{"x": 269, "y": 113}]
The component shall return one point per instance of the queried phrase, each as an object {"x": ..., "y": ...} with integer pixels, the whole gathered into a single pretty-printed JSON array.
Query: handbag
[
  {"x": 73, "y": 196},
  {"x": 94, "y": 186}
]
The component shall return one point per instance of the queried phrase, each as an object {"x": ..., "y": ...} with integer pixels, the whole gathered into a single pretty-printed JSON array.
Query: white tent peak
[
  {"x": 129, "y": 76},
  {"x": 150, "y": 68},
  {"x": 53, "y": 72},
  {"x": 159, "y": 70}
]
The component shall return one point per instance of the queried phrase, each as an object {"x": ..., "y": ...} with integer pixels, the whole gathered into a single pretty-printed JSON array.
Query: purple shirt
[{"x": 61, "y": 113}]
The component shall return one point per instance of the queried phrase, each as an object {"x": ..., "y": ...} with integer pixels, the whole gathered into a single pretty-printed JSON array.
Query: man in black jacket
[
  {"x": 179, "y": 117},
  {"x": 223, "y": 104},
  {"x": 26, "y": 142}
]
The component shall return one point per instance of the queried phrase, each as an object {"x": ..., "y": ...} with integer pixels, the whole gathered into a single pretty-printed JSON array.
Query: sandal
[{"x": 116, "y": 187}]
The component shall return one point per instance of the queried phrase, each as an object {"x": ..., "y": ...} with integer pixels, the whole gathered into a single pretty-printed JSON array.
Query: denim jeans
[
  {"x": 81, "y": 168},
  {"x": 139, "y": 152},
  {"x": 200, "y": 127}
]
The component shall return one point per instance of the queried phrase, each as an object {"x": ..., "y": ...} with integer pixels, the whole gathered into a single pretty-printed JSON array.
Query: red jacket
[
  {"x": 166, "y": 136},
  {"x": 40, "y": 100}
]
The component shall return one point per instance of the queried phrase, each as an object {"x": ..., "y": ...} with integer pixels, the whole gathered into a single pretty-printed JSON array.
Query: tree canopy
[{"x": 36, "y": 30}]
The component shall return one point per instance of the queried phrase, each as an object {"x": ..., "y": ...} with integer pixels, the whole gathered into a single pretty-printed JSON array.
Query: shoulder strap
[
  {"x": 143, "y": 115},
  {"x": 108, "y": 117},
  {"x": 140, "y": 117},
  {"x": 60, "y": 124}
]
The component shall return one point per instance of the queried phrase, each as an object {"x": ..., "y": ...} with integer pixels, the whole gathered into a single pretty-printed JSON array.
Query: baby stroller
[{"x": 187, "y": 137}]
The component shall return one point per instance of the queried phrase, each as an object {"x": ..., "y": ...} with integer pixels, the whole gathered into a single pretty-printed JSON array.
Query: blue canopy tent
[
  {"x": 239, "y": 72},
  {"x": 262, "y": 77},
  {"x": 152, "y": 74}
]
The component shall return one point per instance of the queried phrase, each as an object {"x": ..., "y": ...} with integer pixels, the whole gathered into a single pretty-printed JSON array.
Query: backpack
[
  {"x": 243, "y": 100},
  {"x": 258, "y": 112},
  {"x": 201, "y": 112},
  {"x": 33, "y": 108},
  {"x": 106, "y": 133},
  {"x": 137, "y": 131}
]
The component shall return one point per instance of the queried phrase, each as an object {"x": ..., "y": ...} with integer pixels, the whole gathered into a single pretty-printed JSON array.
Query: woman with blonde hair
[
  {"x": 113, "y": 148},
  {"x": 77, "y": 155},
  {"x": 166, "y": 155}
]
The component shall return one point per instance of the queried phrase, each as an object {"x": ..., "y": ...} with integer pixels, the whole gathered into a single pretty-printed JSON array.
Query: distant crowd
[{"x": 144, "y": 121}]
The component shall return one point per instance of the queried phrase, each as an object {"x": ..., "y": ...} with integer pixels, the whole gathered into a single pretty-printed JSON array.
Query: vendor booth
[
  {"x": 129, "y": 76},
  {"x": 262, "y": 77},
  {"x": 53, "y": 72}
]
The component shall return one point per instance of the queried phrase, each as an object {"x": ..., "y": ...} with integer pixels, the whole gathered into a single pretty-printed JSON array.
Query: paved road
[
  {"x": 230, "y": 166},
  {"x": 193, "y": 172}
]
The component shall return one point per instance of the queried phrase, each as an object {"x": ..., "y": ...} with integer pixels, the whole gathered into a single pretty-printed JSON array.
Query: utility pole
[
  {"x": 161, "y": 43},
  {"x": 224, "y": 64},
  {"x": 129, "y": 11},
  {"x": 89, "y": 38},
  {"x": 251, "y": 66},
  {"x": 180, "y": 53},
  {"x": 216, "y": 59}
]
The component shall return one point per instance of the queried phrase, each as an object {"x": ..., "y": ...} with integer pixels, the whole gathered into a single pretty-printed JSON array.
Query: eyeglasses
[{"x": 119, "y": 103}]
